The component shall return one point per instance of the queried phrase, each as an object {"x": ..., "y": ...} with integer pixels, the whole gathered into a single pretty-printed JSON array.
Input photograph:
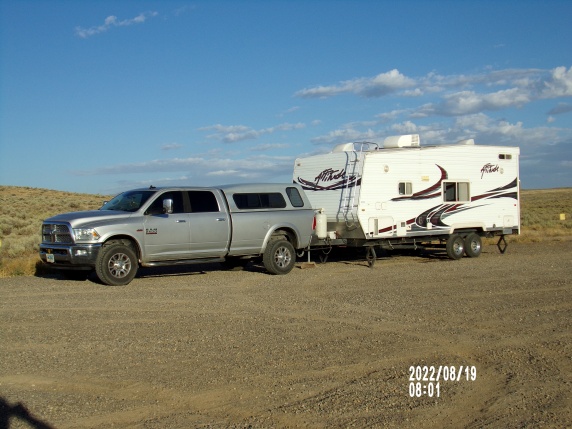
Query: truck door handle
[
  {"x": 220, "y": 219},
  {"x": 181, "y": 221}
]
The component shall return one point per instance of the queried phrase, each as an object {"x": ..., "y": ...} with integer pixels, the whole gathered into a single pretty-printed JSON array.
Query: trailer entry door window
[
  {"x": 456, "y": 191},
  {"x": 405, "y": 188}
]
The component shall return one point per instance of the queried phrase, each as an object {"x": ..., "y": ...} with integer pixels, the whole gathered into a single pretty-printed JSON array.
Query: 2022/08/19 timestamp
[{"x": 426, "y": 380}]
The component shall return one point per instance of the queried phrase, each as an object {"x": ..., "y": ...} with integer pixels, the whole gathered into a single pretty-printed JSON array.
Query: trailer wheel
[
  {"x": 473, "y": 245},
  {"x": 455, "y": 246},
  {"x": 279, "y": 257},
  {"x": 116, "y": 264}
]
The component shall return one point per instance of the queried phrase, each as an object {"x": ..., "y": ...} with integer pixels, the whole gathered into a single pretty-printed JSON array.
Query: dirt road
[{"x": 334, "y": 346}]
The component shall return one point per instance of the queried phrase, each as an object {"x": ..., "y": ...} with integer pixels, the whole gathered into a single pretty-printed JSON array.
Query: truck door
[
  {"x": 209, "y": 224},
  {"x": 167, "y": 236}
]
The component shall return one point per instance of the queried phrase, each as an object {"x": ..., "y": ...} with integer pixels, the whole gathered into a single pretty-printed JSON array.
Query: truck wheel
[
  {"x": 116, "y": 264},
  {"x": 279, "y": 257},
  {"x": 455, "y": 246},
  {"x": 473, "y": 245}
]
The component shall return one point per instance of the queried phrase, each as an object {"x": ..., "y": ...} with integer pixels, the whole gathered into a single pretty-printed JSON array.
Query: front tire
[
  {"x": 279, "y": 257},
  {"x": 116, "y": 264},
  {"x": 473, "y": 245},
  {"x": 455, "y": 246}
]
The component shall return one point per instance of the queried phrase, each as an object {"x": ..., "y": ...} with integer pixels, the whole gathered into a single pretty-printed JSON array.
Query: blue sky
[{"x": 103, "y": 96}]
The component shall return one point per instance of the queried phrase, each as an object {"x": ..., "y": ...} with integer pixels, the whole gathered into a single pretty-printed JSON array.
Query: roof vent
[
  {"x": 344, "y": 147},
  {"x": 408, "y": 140},
  {"x": 466, "y": 141}
]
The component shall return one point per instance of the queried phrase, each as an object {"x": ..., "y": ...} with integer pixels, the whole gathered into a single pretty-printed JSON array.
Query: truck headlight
[{"x": 85, "y": 234}]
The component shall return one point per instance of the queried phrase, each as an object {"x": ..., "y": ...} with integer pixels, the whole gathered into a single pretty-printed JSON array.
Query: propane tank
[{"x": 321, "y": 224}]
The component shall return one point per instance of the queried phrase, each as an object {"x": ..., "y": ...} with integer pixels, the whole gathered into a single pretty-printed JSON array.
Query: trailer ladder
[{"x": 349, "y": 190}]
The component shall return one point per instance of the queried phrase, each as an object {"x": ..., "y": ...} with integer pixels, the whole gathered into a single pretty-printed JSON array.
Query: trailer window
[
  {"x": 295, "y": 197},
  {"x": 456, "y": 191},
  {"x": 262, "y": 200},
  {"x": 405, "y": 188},
  {"x": 203, "y": 202},
  {"x": 505, "y": 156}
]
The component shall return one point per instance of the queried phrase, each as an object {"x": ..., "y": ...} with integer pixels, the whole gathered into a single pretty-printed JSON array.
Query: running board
[{"x": 182, "y": 262}]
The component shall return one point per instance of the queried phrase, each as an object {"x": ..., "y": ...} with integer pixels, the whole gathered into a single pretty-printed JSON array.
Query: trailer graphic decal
[
  {"x": 437, "y": 214},
  {"x": 431, "y": 192},
  {"x": 327, "y": 175}
]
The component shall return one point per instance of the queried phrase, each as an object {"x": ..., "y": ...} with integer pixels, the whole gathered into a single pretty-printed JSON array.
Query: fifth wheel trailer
[{"x": 404, "y": 195}]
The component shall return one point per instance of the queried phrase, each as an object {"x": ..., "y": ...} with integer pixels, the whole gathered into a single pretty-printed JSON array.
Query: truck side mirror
[{"x": 168, "y": 206}]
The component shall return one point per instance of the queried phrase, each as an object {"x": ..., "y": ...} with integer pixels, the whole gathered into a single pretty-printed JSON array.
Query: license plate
[{"x": 50, "y": 258}]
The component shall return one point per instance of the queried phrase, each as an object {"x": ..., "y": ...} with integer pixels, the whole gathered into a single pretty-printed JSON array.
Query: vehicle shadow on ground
[
  {"x": 19, "y": 412},
  {"x": 357, "y": 256},
  {"x": 344, "y": 255}
]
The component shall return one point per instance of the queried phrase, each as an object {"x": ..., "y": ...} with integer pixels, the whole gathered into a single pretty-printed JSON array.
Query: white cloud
[
  {"x": 235, "y": 133},
  {"x": 377, "y": 86},
  {"x": 269, "y": 146},
  {"x": 113, "y": 21},
  {"x": 261, "y": 165},
  {"x": 558, "y": 85},
  {"x": 561, "y": 108},
  {"x": 345, "y": 135},
  {"x": 171, "y": 146},
  {"x": 459, "y": 94}
]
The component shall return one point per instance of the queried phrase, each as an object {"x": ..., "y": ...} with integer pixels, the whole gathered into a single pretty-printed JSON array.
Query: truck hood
[{"x": 93, "y": 218}]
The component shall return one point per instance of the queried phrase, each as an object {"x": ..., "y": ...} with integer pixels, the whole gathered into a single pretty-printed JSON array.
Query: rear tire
[
  {"x": 279, "y": 257},
  {"x": 473, "y": 245},
  {"x": 116, "y": 264},
  {"x": 455, "y": 246}
]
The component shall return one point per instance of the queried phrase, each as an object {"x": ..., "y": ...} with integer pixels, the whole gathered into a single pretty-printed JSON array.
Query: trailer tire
[
  {"x": 116, "y": 264},
  {"x": 473, "y": 245},
  {"x": 279, "y": 257},
  {"x": 455, "y": 246}
]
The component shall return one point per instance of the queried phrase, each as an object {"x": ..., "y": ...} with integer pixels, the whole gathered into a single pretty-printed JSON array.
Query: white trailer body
[{"x": 407, "y": 193}]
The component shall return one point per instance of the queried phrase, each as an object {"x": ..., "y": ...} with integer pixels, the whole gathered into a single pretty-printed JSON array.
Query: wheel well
[
  {"x": 126, "y": 241},
  {"x": 463, "y": 232},
  {"x": 286, "y": 234}
]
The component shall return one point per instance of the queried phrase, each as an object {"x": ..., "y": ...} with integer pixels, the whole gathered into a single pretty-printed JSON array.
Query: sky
[{"x": 104, "y": 96}]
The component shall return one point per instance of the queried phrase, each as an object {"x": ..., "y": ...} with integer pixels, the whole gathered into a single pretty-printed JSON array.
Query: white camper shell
[{"x": 408, "y": 195}]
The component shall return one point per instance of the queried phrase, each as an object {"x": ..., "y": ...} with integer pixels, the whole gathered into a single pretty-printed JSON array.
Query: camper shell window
[
  {"x": 294, "y": 197},
  {"x": 259, "y": 200},
  {"x": 405, "y": 188},
  {"x": 456, "y": 192}
]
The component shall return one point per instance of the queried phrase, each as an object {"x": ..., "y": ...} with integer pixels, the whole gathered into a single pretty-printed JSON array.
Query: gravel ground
[{"x": 323, "y": 347}]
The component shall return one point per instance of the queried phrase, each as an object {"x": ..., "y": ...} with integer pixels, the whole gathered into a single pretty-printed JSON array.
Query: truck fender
[{"x": 288, "y": 230}]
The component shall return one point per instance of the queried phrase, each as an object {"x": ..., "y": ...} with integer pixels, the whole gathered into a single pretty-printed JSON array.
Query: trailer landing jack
[
  {"x": 502, "y": 244},
  {"x": 370, "y": 256}
]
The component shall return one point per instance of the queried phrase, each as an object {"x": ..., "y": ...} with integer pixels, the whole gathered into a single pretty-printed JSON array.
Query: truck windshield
[{"x": 129, "y": 201}]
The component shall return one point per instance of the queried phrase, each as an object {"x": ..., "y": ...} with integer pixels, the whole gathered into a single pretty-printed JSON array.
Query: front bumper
[{"x": 73, "y": 257}]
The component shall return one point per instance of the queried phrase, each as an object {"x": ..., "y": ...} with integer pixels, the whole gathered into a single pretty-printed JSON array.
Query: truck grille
[{"x": 56, "y": 233}]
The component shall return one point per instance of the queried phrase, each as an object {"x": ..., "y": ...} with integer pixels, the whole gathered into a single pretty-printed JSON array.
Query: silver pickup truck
[{"x": 181, "y": 225}]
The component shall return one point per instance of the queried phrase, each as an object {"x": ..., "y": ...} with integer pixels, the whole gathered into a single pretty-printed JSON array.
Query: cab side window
[
  {"x": 157, "y": 206},
  {"x": 203, "y": 202}
]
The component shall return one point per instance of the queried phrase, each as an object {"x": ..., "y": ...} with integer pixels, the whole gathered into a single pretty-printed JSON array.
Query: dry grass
[
  {"x": 540, "y": 212},
  {"x": 22, "y": 211}
]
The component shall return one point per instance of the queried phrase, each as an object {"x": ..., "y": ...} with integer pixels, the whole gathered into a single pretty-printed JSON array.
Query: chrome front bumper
[{"x": 69, "y": 256}]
